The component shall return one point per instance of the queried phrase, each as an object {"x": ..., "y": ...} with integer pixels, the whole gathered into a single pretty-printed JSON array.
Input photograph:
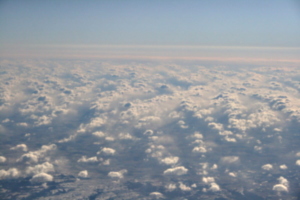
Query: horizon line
[{"x": 152, "y": 46}]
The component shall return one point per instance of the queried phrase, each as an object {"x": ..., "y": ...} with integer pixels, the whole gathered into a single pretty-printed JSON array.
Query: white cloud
[
  {"x": 107, "y": 151},
  {"x": 170, "y": 187},
  {"x": 68, "y": 139},
  {"x": 21, "y": 147},
  {"x": 298, "y": 162},
  {"x": 208, "y": 179},
  {"x": 24, "y": 124},
  {"x": 283, "y": 167},
  {"x": 267, "y": 167},
  {"x": 34, "y": 156},
  {"x": 214, "y": 187},
  {"x": 199, "y": 150},
  {"x": 197, "y": 135},
  {"x": 10, "y": 173},
  {"x": 117, "y": 174},
  {"x": 2, "y": 159},
  {"x": 83, "y": 174},
  {"x": 170, "y": 160},
  {"x": 157, "y": 195},
  {"x": 88, "y": 160},
  {"x": 230, "y": 159},
  {"x": 184, "y": 187},
  {"x": 232, "y": 174},
  {"x": 41, "y": 168},
  {"x": 125, "y": 136},
  {"x": 148, "y": 132},
  {"x": 283, "y": 185},
  {"x": 280, "y": 188},
  {"x": 41, "y": 178},
  {"x": 99, "y": 134},
  {"x": 181, "y": 170}
]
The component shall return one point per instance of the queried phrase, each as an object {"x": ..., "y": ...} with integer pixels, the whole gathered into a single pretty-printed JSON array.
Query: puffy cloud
[
  {"x": 232, "y": 174},
  {"x": 199, "y": 150},
  {"x": 282, "y": 186},
  {"x": 10, "y": 173},
  {"x": 214, "y": 187},
  {"x": 184, "y": 187},
  {"x": 41, "y": 178},
  {"x": 68, "y": 139},
  {"x": 2, "y": 159},
  {"x": 230, "y": 139},
  {"x": 231, "y": 107},
  {"x": 34, "y": 156},
  {"x": 29, "y": 157},
  {"x": 83, "y": 174},
  {"x": 181, "y": 170},
  {"x": 117, "y": 174},
  {"x": 182, "y": 124},
  {"x": 107, "y": 151},
  {"x": 283, "y": 167},
  {"x": 298, "y": 162},
  {"x": 22, "y": 147},
  {"x": 267, "y": 167},
  {"x": 156, "y": 195},
  {"x": 88, "y": 160},
  {"x": 170, "y": 187},
  {"x": 23, "y": 124},
  {"x": 170, "y": 160},
  {"x": 99, "y": 134},
  {"x": 230, "y": 159},
  {"x": 208, "y": 179},
  {"x": 42, "y": 168},
  {"x": 148, "y": 132},
  {"x": 125, "y": 136}
]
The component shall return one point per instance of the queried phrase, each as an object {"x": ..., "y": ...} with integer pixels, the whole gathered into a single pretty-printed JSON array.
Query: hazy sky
[{"x": 258, "y": 23}]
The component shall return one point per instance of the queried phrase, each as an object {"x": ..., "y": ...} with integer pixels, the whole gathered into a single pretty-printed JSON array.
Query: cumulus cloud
[
  {"x": 170, "y": 187},
  {"x": 22, "y": 147},
  {"x": 117, "y": 174},
  {"x": 200, "y": 149},
  {"x": 230, "y": 160},
  {"x": 34, "y": 156},
  {"x": 156, "y": 195},
  {"x": 84, "y": 159},
  {"x": 10, "y": 173},
  {"x": 107, "y": 151},
  {"x": 181, "y": 170},
  {"x": 170, "y": 160},
  {"x": 83, "y": 174},
  {"x": 282, "y": 186},
  {"x": 2, "y": 159},
  {"x": 208, "y": 179},
  {"x": 283, "y": 167},
  {"x": 41, "y": 178},
  {"x": 267, "y": 167},
  {"x": 214, "y": 187},
  {"x": 176, "y": 115},
  {"x": 125, "y": 136},
  {"x": 99, "y": 134},
  {"x": 184, "y": 187},
  {"x": 41, "y": 168}
]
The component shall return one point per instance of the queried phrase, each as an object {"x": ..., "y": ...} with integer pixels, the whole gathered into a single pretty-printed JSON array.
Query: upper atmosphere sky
[{"x": 217, "y": 23}]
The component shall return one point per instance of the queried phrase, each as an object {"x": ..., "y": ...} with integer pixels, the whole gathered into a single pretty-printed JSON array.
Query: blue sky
[{"x": 267, "y": 23}]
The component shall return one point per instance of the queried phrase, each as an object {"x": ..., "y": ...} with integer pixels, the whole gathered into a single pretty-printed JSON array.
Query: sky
[{"x": 44, "y": 27}]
